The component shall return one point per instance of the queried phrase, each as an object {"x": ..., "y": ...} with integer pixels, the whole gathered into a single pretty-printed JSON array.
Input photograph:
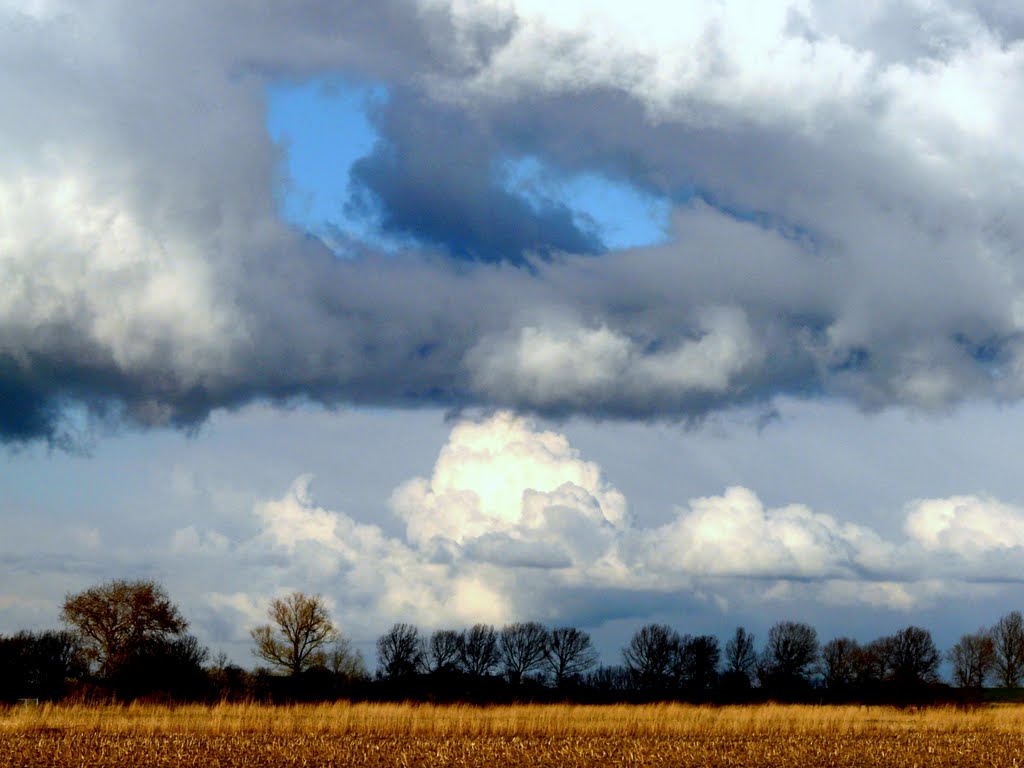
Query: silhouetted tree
[
  {"x": 839, "y": 658},
  {"x": 872, "y": 662},
  {"x": 973, "y": 659},
  {"x": 651, "y": 656},
  {"x": 400, "y": 652},
  {"x": 740, "y": 662},
  {"x": 444, "y": 651},
  {"x": 614, "y": 679},
  {"x": 522, "y": 647},
  {"x": 116, "y": 620},
  {"x": 301, "y": 628},
  {"x": 12, "y": 680},
  {"x": 913, "y": 658},
  {"x": 54, "y": 659},
  {"x": 1008, "y": 640},
  {"x": 789, "y": 656},
  {"x": 480, "y": 654},
  {"x": 740, "y": 656},
  {"x": 697, "y": 662},
  {"x": 171, "y": 667},
  {"x": 570, "y": 654}
]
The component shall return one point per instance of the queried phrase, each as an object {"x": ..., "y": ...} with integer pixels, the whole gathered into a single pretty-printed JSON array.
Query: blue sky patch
[
  {"x": 623, "y": 216},
  {"x": 323, "y": 127}
]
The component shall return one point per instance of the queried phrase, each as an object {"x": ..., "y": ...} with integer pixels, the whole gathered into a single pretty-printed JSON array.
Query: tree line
[{"x": 128, "y": 640}]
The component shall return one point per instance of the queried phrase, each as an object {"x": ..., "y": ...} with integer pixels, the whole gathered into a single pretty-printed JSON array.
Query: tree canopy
[
  {"x": 116, "y": 620},
  {"x": 301, "y": 628}
]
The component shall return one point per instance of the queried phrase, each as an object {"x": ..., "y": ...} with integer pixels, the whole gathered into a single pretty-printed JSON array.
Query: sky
[{"x": 701, "y": 313}]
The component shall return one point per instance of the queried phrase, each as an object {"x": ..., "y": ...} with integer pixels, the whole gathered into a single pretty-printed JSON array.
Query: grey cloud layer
[{"x": 846, "y": 216}]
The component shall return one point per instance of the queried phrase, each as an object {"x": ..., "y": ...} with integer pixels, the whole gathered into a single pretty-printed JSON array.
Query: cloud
[
  {"x": 512, "y": 520},
  {"x": 500, "y": 481},
  {"x": 844, "y": 186},
  {"x": 967, "y": 526},
  {"x": 475, "y": 217},
  {"x": 734, "y": 535},
  {"x": 549, "y": 367},
  {"x": 367, "y": 578},
  {"x": 514, "y": 524}
]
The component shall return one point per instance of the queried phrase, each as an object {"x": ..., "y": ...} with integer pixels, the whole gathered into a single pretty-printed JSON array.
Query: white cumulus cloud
[
  {"x": 514, "y": 524},
  {"x": 735, "y": 535},
  {"x": 967, "y": 526},
  {"x": 501, "y": 476}
]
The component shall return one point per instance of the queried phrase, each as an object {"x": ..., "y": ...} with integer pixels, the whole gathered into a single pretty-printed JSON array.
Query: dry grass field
[{"x": 494, "y": 737}]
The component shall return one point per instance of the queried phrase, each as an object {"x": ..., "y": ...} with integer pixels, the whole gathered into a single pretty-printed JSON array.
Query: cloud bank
[
  {"x": 513, "y": 523},
  {"x": 844, "y": 187}
]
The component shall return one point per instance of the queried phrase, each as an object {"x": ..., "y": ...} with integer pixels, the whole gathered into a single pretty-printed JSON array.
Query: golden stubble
[{"x": 344, "y": 734}]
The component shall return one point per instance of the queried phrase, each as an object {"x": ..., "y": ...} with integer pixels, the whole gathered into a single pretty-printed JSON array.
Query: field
[{"x": 527, "y": 735}]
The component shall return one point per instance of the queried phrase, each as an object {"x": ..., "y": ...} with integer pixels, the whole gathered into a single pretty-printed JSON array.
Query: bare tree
[
  {"x": 612, "y": 679},
  {"x": 973, "y": 658},
  {"x": 400, "y": 652},
  {"x": 344, "y": 661},
  {"x": 651, "y": 655},
  {"x": 872, "y": 662},
  {"x": 696, "y": 667},
  {"x": 790, "y": 654},
  {"x": 119, "y": 618},
  {"x": 301, "y": 628},
  {"x": 570, "y": 654},
  {"x": 913, "y": 657},
  {"x": 1008, "y": 637},
  {"x": 444, "y": 651},
  {"x": 740, "y": 656},
  {"x": 480, "y": 650},
  {"x": 839, "y": 662},
  {"x": 522, "y": 647}
]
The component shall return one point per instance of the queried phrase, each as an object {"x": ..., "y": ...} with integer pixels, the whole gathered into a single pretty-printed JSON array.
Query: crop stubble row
[{"x": 662, "y": 736}]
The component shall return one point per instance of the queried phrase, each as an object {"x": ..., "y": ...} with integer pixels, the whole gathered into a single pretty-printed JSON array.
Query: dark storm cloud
[
  {"x": 854, "y": 235},
  {"x": 435, "y": 175},
  {"x": 25, "y": 413}
]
